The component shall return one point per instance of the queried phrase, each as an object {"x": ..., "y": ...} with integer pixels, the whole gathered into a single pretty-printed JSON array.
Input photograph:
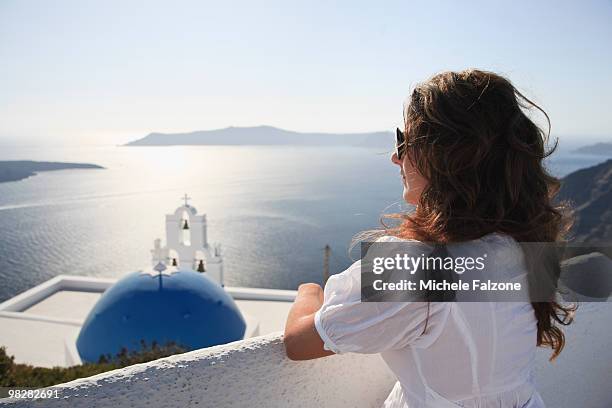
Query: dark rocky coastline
[
  {"x": 22, "y": 169},
  {"x": 589, "y": 192}
]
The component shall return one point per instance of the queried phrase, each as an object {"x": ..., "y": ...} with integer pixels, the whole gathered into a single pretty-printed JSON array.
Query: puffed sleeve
[{"x": 345, "y": 324}]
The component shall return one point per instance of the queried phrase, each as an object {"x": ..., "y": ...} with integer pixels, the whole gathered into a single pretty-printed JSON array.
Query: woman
[{"x": 472, "y": 162}]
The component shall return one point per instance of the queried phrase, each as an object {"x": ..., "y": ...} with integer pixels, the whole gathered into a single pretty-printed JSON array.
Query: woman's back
[
  {"x": 482, "y": 357},
  {"x": 483, "y": 352},
  {"x": 471, "y": 353}
]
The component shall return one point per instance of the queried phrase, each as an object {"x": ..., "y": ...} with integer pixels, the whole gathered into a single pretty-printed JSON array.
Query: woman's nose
[{"x": 396, "y": 159}]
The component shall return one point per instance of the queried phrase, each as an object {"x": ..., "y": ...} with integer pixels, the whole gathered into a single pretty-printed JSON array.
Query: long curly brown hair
[{"x": 467, "y": 133}]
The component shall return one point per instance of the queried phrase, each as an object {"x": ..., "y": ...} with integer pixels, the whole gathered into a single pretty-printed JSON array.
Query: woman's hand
[{"x": 302, "y": 341}]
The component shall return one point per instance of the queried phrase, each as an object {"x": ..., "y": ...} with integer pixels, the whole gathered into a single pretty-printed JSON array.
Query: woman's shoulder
[
  {"x": 394, "y": 238},
  {"x": 498, "y": 243},
  {"x": 382, "y": 246},
  {"x": 394, "y": 244}
]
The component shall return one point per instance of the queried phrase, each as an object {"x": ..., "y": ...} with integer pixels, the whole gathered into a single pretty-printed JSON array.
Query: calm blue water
[{"x": 273, "y": 209}]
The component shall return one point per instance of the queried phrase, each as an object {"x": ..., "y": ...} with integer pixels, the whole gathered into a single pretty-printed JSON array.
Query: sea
[{"x": 273, "y": 209}]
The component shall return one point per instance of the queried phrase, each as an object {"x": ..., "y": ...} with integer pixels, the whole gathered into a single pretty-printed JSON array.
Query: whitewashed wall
[{"x": 249, "y": 373}]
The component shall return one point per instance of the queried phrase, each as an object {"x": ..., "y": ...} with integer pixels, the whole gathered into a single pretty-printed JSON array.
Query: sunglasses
[{"x": 400, "y": 143}]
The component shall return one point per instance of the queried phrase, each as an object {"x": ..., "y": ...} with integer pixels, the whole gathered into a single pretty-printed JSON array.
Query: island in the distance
[
  {"x": 265, "y": 135},
  {"x": 15, "y": 170},
  {"x": 600, "y": 149}
]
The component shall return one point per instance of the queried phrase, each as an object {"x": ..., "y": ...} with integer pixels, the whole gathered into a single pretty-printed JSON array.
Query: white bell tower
[{"x": 187, "y": 245}]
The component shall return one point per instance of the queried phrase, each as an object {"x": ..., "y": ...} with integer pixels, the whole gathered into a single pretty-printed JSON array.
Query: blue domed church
[{"x": 181, "y": 300}]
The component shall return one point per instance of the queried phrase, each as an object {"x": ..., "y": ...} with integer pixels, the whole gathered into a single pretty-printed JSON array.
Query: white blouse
[{"x": 470, "y": 355}]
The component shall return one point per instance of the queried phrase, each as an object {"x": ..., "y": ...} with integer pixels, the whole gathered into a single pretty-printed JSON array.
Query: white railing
[{"x": 249, "y": 373}]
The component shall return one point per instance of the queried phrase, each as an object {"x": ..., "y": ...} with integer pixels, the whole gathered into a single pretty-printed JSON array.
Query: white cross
[{"x": 186, "y": 198}]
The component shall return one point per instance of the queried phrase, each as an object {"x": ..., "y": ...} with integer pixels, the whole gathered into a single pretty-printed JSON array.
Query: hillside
[
  {"x": 265, "y": 135},
  {"x": 590, "y": 192},
  {"x": 599, "y": 149},
  {"x": 21, "y": 169}
]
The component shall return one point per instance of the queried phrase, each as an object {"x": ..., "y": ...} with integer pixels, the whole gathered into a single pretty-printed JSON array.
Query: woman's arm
[{"x": 302, "y": 341}]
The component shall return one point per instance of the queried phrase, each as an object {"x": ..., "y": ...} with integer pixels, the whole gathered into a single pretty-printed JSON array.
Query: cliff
[
  {"x": 599, "y": 149},
  {"x": 589, "y": 191}
]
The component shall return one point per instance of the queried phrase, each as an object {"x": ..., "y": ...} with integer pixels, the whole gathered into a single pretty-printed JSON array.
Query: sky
[{"x": 107, "y": 72}]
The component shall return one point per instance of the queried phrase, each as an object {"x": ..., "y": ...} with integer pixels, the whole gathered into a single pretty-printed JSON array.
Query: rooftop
[{"x": 40, "y": 326}]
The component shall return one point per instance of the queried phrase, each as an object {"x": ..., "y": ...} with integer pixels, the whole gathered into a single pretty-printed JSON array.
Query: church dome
[{"x": 184, "y": 307}]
